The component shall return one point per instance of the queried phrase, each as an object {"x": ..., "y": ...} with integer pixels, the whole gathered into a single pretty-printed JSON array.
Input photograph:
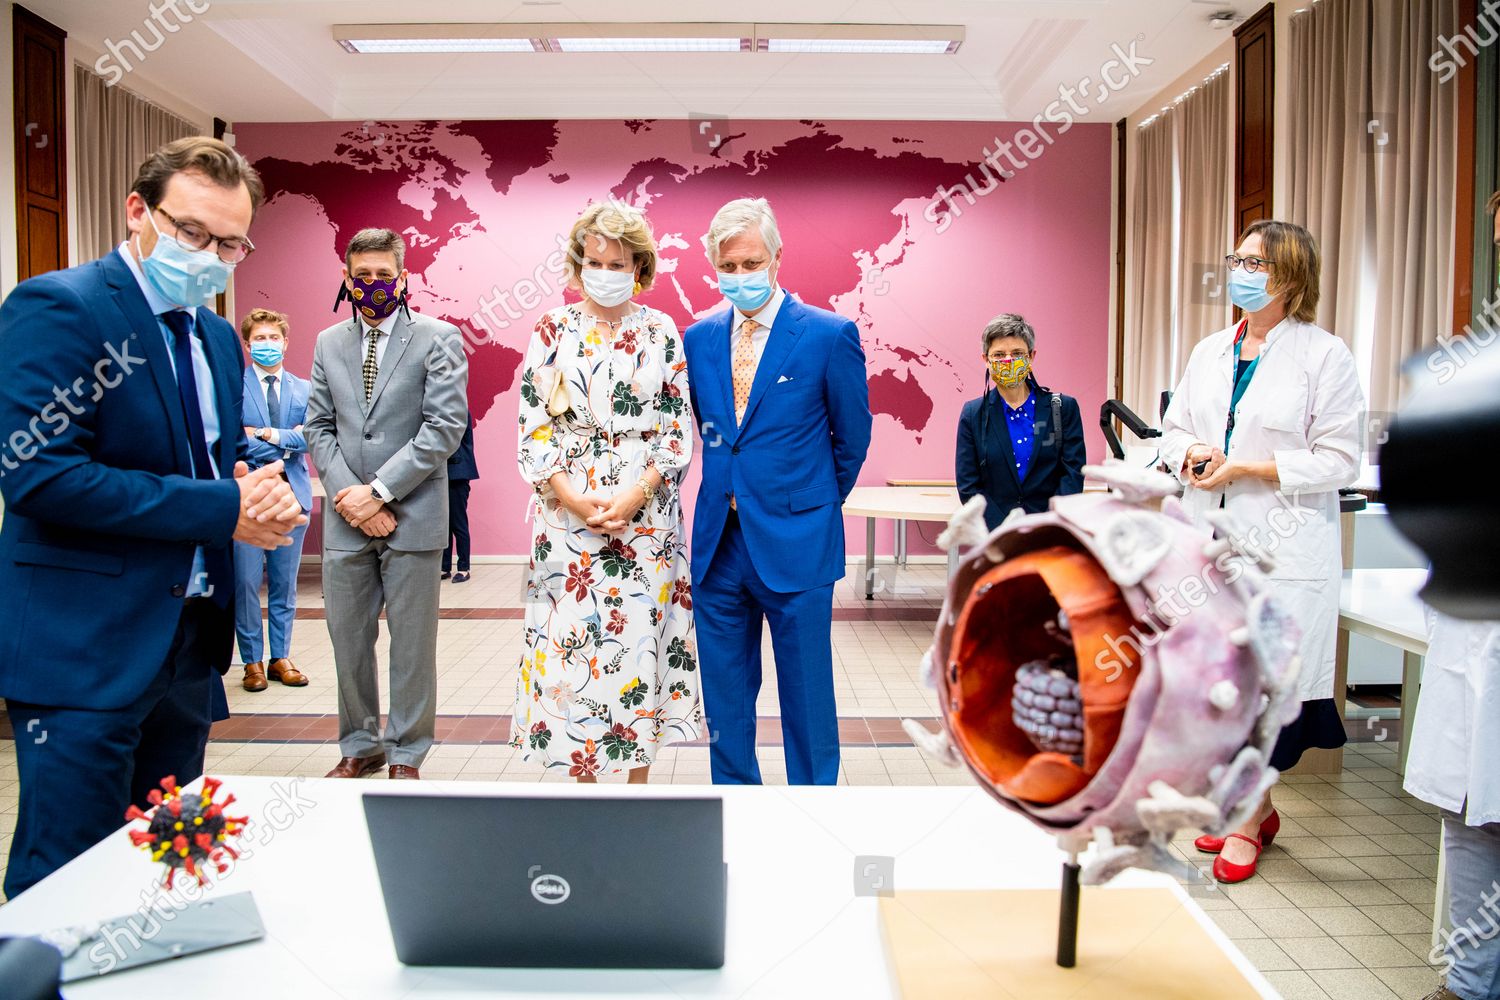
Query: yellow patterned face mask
[{"x": 1010, "y": 372}]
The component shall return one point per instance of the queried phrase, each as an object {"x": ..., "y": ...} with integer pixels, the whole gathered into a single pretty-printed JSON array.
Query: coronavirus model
[
  {"x": 187, "y": 832},
  {"x": 1111, "y": 671}
]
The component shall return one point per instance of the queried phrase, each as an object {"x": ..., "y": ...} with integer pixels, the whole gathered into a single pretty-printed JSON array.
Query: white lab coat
[
  {"x": 1303, "y": 408},
  {"x": 1455, "y": 740}
]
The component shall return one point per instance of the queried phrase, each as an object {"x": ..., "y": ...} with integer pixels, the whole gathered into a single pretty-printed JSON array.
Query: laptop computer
[{"x": 552, "y": 882}]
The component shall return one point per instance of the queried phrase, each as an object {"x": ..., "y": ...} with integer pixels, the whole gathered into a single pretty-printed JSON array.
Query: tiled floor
[{"x": 1341, "y": 908}]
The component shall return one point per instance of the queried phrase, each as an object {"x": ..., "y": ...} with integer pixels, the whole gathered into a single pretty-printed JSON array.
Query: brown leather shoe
[
  {"x": 255, "y": 676},
  {"x": 357, "y": 767},
  {"x": 398, "y": 771},
  {"x": 283, "y": 670}
]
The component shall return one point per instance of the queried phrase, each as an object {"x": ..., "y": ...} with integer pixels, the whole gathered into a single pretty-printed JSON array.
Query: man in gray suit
[{"x": 388, "y": 406}]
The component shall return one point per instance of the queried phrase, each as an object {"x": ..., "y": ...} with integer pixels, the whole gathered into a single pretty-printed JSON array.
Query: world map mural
[{"x": 485, "y": 206}]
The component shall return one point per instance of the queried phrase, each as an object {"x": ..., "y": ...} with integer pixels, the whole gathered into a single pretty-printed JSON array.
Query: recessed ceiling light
[
  {"x": 880, "y": 46},
  {"x": 647, "y": 44},
  {"x": 375, "y": 46}
]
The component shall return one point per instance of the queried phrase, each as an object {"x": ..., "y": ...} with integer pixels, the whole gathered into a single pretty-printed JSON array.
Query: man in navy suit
[
  {"x": 782, "y": 404},
  {"x": 1020, "y": 444},
  {"x": 275, "y": 407},
  {"x": 120, "y": 423},
  {"x": 462, "y": 468}
]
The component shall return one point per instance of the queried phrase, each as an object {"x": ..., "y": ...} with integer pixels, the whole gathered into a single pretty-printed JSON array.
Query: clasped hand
[
  {"x": 364, "y": 510},
  {"x": 269, "y": 510}
]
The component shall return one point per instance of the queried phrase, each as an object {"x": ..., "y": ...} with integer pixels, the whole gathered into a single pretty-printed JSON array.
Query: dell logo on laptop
[{"x": 550, "y": 889}]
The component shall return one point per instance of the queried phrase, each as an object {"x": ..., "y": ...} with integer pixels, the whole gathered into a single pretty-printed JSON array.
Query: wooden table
[{"x": 901, "y": 504}]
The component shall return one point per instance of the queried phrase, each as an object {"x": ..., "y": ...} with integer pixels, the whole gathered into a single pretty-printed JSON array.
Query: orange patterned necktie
[{"x": 744, "y": 368}]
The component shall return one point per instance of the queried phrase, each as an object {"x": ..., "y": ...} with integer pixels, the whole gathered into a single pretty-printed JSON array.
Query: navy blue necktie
[
  {"x": 215, "y": 560},
  {"x": 273, "y": 400}
]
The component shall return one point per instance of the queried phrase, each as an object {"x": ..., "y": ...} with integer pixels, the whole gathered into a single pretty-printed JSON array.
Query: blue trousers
[
  {"x": 729, "y": 606},
  {"x": 80, "y": 769},
  {"x": 1473, "y": 873},
  {"x": 279, "y": 568}
]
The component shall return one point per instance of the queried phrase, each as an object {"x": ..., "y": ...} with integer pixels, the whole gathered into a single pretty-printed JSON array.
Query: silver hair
[
  {"x": 376, "y": 241},
  {"x": 738, "y": 217},
  {"x": 1009, "y": 325}
]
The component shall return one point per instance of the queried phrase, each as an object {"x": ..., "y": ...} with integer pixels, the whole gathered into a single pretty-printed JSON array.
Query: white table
[
  {"x": 796, "y": 928},
  {"x": 901, "y": 504},
  {"x": 1383, "y": 605}
]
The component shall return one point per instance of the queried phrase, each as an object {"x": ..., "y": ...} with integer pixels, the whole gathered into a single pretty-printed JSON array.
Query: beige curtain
[
  {"x": 1205, "y": 214},
  {"x": 1180, "y": 231},
  {"x": 116, "y": 131},
  {"x": 1146, "y": 360},
  {"x": 1371, "y": 168}
]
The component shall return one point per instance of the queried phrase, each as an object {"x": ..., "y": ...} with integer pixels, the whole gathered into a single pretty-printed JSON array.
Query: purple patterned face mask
[{"x": 374, "y": 300}]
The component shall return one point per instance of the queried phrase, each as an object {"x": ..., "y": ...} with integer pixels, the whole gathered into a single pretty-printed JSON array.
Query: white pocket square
[{"x": 784, "y": 378}]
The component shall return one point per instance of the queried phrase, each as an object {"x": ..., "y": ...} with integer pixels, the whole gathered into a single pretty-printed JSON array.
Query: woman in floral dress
[{"x": 609, "y": 674}]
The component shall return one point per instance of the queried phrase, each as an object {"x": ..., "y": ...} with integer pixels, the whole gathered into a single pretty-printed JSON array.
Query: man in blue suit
[
  {"x": 120, "y": 423},
  {"x": 275, "y": 407},
  {"x": 782, "y": 403}
]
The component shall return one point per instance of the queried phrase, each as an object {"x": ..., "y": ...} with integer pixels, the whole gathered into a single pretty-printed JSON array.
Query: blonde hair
[
  {"x": 1295, "y": 267},
  {"x": 613, "y": 220},
  {"x": 264, "y": 317},
  {"x": 738, "y": 217}
]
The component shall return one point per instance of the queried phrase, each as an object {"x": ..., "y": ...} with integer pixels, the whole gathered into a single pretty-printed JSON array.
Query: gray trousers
[{"x": 356, "y": 585}]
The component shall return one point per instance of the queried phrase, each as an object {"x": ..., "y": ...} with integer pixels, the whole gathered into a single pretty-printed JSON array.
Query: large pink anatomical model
[{"x": 1111, "y": 671}]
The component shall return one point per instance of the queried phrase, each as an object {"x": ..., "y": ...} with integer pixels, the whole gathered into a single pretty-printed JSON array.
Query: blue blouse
[{"x": 1021, "y": 422}]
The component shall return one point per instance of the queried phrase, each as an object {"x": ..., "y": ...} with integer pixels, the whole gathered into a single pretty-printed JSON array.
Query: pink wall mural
[{"x": 485, "y": 204}]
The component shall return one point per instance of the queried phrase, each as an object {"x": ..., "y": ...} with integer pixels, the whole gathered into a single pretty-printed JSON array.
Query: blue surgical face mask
[
  {"x": 183, "y": 277},
  {"x": 747, "y": 291},
  {"x": 267, "y": 354},
  {"x": 1248, "y": 291}
]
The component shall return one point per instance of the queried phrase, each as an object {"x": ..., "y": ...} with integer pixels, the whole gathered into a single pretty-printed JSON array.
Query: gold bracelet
[{"x": 647, "y": 489}]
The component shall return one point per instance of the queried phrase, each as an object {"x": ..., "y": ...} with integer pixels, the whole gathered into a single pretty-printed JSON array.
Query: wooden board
[{"x": 1133, "y": 944}]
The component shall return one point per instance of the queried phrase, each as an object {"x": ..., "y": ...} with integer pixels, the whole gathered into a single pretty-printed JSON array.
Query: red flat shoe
[
  {"x": 1268, "y": 831},
  {"x": 1228, "y": 872}
]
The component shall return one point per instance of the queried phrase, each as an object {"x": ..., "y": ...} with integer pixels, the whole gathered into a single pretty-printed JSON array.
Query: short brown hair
[
  {"x": 613, "y": 220},
  {"x": 376, "y": 241},
  {"x": 197, "y": 154},
  {"x": 1294, "y": 264},
  {"x": 1009, "y": 325},
  {"x": 1493, "y": 205},
  {"x": 261, "y": 317}
]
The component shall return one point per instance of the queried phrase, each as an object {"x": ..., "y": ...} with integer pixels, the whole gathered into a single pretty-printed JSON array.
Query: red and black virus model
[{"x": 187, "y": 832}]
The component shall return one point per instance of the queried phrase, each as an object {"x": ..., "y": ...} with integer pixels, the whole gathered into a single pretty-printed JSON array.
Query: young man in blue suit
[
  {"x": 120, "y": 423},
  {"x": 782, "y": 403},
  {"x": 275, "y": 407}
]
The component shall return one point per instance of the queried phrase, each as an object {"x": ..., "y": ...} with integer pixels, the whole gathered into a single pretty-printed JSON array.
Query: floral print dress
[{"x": 609, "y": 674}]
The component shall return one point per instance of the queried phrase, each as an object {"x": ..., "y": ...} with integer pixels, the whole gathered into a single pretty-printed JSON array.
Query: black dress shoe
[{"x": 462, "y": 576}]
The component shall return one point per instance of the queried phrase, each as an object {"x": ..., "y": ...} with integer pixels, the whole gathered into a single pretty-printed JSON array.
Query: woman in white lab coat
[{"x": 1266, "y": 424}]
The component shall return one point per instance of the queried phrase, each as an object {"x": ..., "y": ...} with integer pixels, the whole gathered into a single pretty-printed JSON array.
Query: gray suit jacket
[{"x": 414, "y": 420}]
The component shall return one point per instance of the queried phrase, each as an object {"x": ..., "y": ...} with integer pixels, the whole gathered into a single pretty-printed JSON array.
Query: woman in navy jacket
[{"x": 1020, "y": 444}]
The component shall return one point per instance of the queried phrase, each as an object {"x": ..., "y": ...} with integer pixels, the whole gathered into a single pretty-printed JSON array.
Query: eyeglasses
[
  {"x": 191, "y": 236},
  {"x": 1252, "y": 264},
  {"x": 1014, "y": 356}
]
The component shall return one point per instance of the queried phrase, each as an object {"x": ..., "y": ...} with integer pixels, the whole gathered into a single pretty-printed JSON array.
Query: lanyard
[{"x": 1242, "y": 382}]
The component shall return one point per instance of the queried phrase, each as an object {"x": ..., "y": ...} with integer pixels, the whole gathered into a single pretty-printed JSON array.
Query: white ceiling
[{"x": 274, "y": 60}]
